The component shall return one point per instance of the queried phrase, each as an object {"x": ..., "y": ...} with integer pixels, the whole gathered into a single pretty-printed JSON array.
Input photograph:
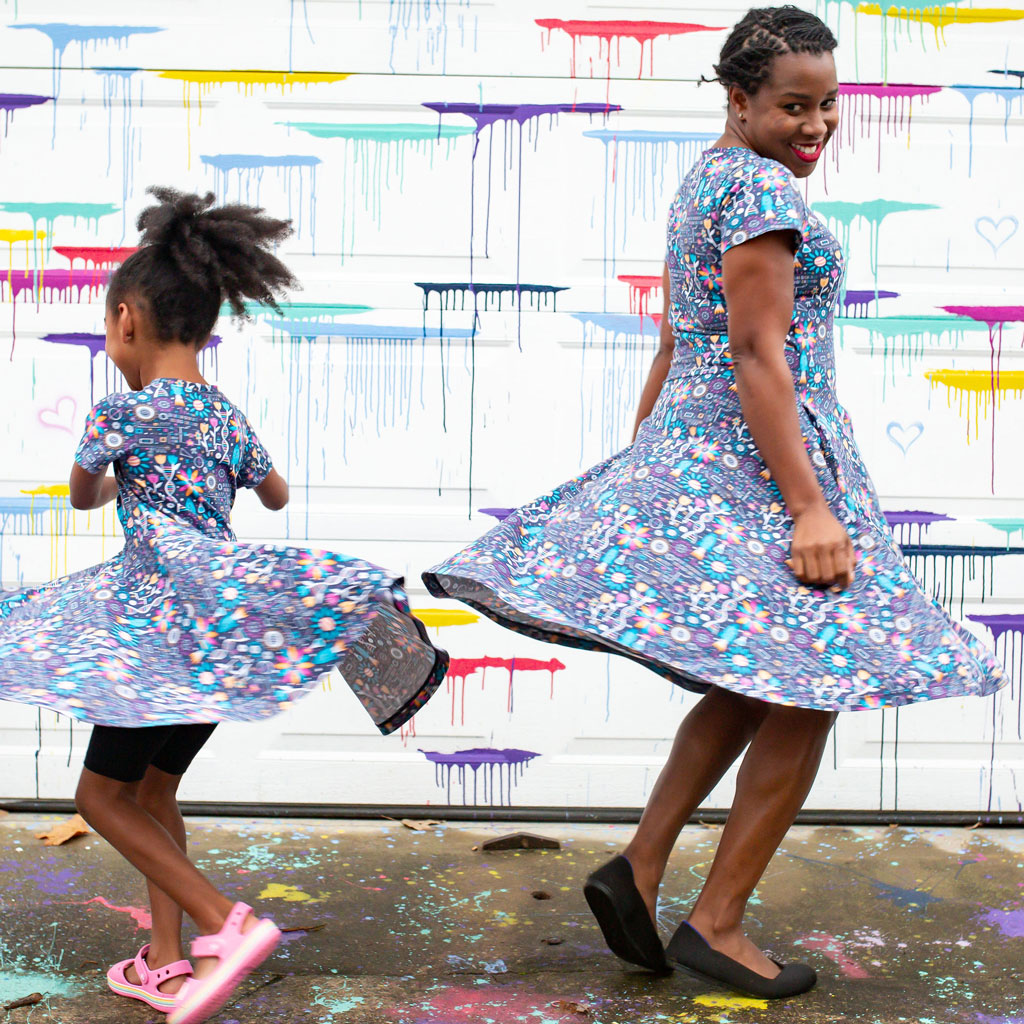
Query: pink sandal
[
  {"x": 148, "y": 988},
  {"x": 200, "y": 998}
]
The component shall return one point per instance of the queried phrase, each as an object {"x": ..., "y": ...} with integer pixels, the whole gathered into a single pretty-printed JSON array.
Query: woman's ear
[{"x": 738, "y": 102}]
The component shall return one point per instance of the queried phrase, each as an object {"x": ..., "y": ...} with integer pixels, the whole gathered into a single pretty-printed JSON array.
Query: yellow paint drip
[
  {"x": 979, "y": 388},
  {"x": 445, "y": 616},
  {"x": 61, "y": 522},
  {"x": 731, "y": 1003},
  {"x": 942, "y": 15},
  {"x": 246, "y": 82},
  {"x": 288, "y": 893},
  {"x": 14, "y": 235},
  {"x": 50, "y": 491}
]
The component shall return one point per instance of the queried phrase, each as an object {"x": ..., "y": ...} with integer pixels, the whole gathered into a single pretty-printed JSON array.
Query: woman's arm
[
  {"x": 662, "y": 361},
  {"x": 758, "y": 282},
  {"x": 90, "y": 490}
]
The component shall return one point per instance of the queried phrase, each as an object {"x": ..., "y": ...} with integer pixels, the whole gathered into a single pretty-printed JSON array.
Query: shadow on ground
[{"x": 390, "y": 926}]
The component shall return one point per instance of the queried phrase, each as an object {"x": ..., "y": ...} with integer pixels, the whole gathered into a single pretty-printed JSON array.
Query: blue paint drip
[
  {"x": 62, "y": 35},
  {"x": 246, "y": 171}
]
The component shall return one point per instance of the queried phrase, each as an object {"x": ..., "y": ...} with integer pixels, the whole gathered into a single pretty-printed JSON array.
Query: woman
[{"x": 737, "y": 546}]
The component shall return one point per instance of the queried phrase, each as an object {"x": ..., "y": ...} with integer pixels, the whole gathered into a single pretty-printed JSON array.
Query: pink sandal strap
[
  {"x": 141, "y": 967},
  {"x": 224, "y": 940}
]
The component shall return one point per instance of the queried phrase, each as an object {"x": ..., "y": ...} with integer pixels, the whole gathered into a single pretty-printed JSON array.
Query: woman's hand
[{"x": 821, "y": 553}]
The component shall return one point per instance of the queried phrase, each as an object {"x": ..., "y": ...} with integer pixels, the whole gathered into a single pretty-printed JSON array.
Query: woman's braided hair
[
  {"x": 194, "y": 257},
  {"x": 762, "y": 35}
]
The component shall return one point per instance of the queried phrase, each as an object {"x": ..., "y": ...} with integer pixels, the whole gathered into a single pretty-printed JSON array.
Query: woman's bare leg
[
  {"x": 774, "y": 780},
  {"x": 708, "y": 741}
]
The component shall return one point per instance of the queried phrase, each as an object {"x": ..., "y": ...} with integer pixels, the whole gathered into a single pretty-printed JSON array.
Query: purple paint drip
[
  {"x": 488, "y": 115},
  {"x": 12, "y": 101},
  {"x": 904, "y": 522},
  {"x": 861, "y": 299},
  {"x": 510, "y": 764},
  {"x": 484, "y": 114}
]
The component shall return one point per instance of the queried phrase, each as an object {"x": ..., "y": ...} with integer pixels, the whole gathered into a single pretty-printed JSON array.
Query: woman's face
[{"x": 794, "y": 113}]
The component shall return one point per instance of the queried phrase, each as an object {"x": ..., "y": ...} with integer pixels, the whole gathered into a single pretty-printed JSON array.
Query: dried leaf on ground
[
  {"x": 576, "y": 1006},
  {"x": 65, "y": 831},
  {"x": 540, "y": 894},
  {"x": 304, "y": 928},
  {"x": 421, "y": 825},
  {"x": 31, "y": 1000},
  {"x": 553, "y": 941}
]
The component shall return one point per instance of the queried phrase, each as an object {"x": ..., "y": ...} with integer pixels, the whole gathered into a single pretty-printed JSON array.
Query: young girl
[{"x": 186, "y": 627}]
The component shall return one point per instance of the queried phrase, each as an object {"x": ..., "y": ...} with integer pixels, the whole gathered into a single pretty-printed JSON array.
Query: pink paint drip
[
  {"x": 894, "y": 102},
  {"x": 460, "y": 669},
  {"x": 830, "y": 946},
  {"x": 142, "y": 917},
  {"x": 994, "y": 317}
]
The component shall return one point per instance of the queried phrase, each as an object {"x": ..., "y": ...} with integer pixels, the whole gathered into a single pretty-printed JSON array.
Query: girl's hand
[{"x": 821, "y": 552}]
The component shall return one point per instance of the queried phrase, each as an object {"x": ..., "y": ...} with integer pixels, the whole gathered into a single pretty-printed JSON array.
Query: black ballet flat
[
  {"x": 688, "y": 951},
  {"x": 622, "y": 914}
]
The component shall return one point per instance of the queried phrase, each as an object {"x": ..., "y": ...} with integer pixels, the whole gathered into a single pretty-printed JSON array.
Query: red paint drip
[
  {"x": 640, "y": 288},
  {"x": 96, "y": 256},
  {"x": 607, "y": 32},
  {"x": 460, "y": 669}
]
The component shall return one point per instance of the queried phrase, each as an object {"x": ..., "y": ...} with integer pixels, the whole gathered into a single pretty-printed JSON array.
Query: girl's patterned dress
[
  {"x": 673, "y": 552},
  {"x": 186, "y": 624}
]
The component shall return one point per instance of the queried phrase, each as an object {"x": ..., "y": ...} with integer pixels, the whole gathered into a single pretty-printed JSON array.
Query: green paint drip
[
  {"x": 1009, "y": 526},
  {"x": 49, "y": 213},
  {"x": 303, "y": 310},
  {"x": 373, "y": 162},
  {"x": 382, "y": 132},
  {"x": 902, "y": 340},
  {"x": 842, "y": 216}
]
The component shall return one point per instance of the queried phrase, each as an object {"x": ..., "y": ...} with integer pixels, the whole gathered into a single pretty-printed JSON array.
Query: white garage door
[{"x": 422, "y": 146}]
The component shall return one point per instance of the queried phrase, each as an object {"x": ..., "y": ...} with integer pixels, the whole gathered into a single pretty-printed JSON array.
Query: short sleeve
[
  {"x": 104, "y": 440},
  {"x": 757, "y": 198},
  {"x": 255, "y": 463}
]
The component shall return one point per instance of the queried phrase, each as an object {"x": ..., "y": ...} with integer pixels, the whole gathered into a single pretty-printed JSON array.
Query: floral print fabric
[
  {"x": 186, "y": 624},
  {"x": 673, "y": 552}
]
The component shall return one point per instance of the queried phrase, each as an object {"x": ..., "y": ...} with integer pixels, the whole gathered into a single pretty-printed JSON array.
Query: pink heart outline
[{"x": 51, "y": 416}]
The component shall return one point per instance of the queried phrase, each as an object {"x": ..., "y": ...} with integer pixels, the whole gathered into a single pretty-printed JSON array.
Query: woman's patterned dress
[
  {"x": 673, "y": 552},
  {"x": 186, "y": 624}
]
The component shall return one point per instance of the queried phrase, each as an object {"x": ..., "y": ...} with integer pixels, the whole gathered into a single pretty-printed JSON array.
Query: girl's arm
[
  {"x": 661, "y": 364},
  {"x": 758, "y": 281},
  {"x": 90, "y": 490},
  {"x": 273, "y": 491}
]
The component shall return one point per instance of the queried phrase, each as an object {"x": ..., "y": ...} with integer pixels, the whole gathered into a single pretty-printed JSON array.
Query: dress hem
[{"x": 680, "y": 677}]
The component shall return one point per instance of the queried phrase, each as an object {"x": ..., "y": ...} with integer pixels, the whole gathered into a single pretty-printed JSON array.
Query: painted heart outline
[
  {"x": 993, "y": 233},
  {"x": 60, "y": 416},
  {"x": 904, "y": 437}
]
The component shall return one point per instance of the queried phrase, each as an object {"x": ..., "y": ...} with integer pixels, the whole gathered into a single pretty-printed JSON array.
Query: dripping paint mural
[{"x": 479, "y": 195}]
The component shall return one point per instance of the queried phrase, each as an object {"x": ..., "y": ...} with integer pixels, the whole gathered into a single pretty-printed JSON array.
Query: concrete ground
[{"x": 396, "y": 927}]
